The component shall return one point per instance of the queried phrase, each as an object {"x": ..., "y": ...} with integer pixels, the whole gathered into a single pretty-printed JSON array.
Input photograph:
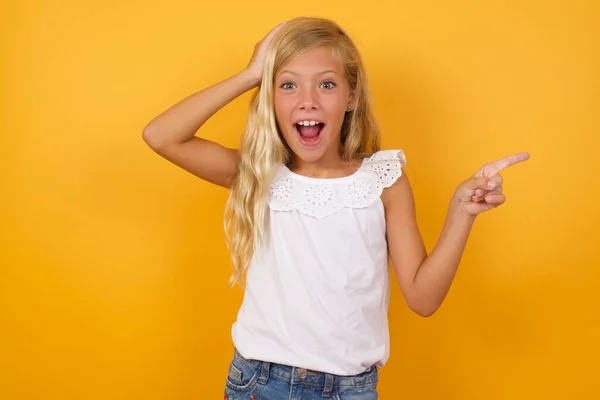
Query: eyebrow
[{"x": 294, "y": 73}]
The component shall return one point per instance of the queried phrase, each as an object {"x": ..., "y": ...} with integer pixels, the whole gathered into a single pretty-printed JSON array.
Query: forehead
[{"x": 312, "y": 62}]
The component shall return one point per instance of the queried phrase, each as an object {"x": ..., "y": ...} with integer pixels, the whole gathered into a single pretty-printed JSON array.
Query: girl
[{"x": 315, "y": 206}]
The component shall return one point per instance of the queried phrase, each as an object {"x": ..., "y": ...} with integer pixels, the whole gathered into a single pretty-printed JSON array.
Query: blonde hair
[{"x": 262, "y": 147}]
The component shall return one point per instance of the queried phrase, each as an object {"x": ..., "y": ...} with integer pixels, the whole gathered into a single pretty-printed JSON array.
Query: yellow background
[{"x": 113, "y": 276}]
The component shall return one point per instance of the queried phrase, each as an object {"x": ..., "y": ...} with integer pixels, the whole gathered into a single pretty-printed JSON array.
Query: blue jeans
[{"x": 259, "y": 380}]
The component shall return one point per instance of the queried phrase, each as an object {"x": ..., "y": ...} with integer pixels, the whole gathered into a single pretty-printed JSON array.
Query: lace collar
[{"x": 321, "y": 197}]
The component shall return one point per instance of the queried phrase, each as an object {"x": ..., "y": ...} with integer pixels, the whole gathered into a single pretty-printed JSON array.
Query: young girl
[{"x": 315, "y": 206}]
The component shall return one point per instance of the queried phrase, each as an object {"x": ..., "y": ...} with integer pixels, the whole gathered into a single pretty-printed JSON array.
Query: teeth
[{"x": 307, "y": 123}]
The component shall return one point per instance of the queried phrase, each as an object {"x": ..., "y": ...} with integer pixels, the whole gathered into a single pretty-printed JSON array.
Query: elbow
[
  {"x": 425, "y": 313},
  {"x": 151, "y": 138},
  {"x": 424, "y": 310},
  {"x": 423, "y": 303}
]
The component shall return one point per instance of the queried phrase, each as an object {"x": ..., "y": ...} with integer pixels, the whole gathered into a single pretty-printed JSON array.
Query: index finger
[{"x": 495, "y": 167}]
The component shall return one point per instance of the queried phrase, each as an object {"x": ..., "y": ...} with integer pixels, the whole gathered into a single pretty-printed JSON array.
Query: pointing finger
[{"x": 496, "y": 166}]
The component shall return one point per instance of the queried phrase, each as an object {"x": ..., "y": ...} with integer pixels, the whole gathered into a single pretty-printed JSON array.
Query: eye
[
  {"x": 287, "y": 85},
  {"x": 328, "y": 85}
]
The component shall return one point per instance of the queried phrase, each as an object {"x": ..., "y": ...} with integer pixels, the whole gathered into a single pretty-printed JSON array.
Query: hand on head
[{"x": 257, "y": 61}]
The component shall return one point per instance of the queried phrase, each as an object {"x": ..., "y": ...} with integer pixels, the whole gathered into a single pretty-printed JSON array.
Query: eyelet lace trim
[{"x": 322, "y": 197}]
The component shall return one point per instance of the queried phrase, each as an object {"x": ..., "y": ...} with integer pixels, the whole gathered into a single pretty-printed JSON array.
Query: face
[{"x": 311, "y": 96}]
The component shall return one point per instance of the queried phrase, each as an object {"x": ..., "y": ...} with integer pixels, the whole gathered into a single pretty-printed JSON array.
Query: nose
[{"x": 308, "y": 99}]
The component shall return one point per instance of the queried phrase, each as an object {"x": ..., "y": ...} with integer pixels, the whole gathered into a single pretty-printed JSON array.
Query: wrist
[
  {"x": 456, "y": 213},
  {"x": 250, "y": 77}
]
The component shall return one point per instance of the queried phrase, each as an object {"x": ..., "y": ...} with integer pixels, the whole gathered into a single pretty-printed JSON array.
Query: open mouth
[{"x": 309, "y": 132}]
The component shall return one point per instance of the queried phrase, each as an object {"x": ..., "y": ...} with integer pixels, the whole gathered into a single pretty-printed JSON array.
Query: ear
[{"x": 350, "y": 104}]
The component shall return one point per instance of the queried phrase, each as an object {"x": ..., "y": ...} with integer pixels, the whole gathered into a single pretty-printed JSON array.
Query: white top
[{"x": 317, "y": 293}]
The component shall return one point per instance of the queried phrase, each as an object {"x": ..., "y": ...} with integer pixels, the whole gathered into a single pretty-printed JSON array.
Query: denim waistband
[{"x": 323, "y": 380}]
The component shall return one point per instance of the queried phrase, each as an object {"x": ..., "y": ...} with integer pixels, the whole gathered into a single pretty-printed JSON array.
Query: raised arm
[{"x": 172, "y": 134}]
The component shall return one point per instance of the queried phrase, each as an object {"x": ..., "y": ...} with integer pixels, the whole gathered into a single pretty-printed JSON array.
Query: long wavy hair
[{"x": 262, "y": 147}]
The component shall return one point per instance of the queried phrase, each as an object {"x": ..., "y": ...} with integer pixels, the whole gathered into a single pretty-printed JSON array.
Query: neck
[{"x": 329, "y": 166}]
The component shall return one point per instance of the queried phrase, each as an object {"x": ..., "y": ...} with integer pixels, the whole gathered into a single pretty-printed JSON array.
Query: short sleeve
[{"x": 387, "y": 166}]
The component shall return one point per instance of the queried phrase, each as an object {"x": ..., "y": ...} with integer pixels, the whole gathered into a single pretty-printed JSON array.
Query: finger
[
  {"x": 495, "y": 181},
  {"x": 477, "y": 182},
  {"x": 278, "y": 27},
  {"x": 273, "y": 31},
  {"x": 269, "y": 36},
  {"x": 496, "y": 166},
  {"x": 495, "y": 199},
  {"x": 485, "y": 183},
  {"x": 480, "y": 197}
]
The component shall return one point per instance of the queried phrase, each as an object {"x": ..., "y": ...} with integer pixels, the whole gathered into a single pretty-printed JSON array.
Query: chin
[{"x": 309, "y": 154}]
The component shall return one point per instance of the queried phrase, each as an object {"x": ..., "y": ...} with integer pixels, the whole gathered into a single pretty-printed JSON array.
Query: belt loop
[
  {"x": 264, "y": 372},
  {"x": 328, "y": 385}
]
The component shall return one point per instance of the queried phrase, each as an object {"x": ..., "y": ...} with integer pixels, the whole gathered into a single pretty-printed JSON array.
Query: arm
[
  {"x": 172, "y": 133},
  {"x": 426, "y": 279}
]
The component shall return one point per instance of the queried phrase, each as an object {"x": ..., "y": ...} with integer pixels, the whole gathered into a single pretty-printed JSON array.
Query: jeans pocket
[
  {"x": 357, "y": 393},
  {"x": 242, "y": 376},
  {"x": 361, "y": 387}
]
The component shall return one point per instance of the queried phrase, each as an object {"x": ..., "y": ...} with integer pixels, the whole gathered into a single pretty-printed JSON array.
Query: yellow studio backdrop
[{"x": 113, "y": 274}]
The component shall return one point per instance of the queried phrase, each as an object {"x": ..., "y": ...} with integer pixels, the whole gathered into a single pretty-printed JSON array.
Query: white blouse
[{"x": 317, "y": 293}]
